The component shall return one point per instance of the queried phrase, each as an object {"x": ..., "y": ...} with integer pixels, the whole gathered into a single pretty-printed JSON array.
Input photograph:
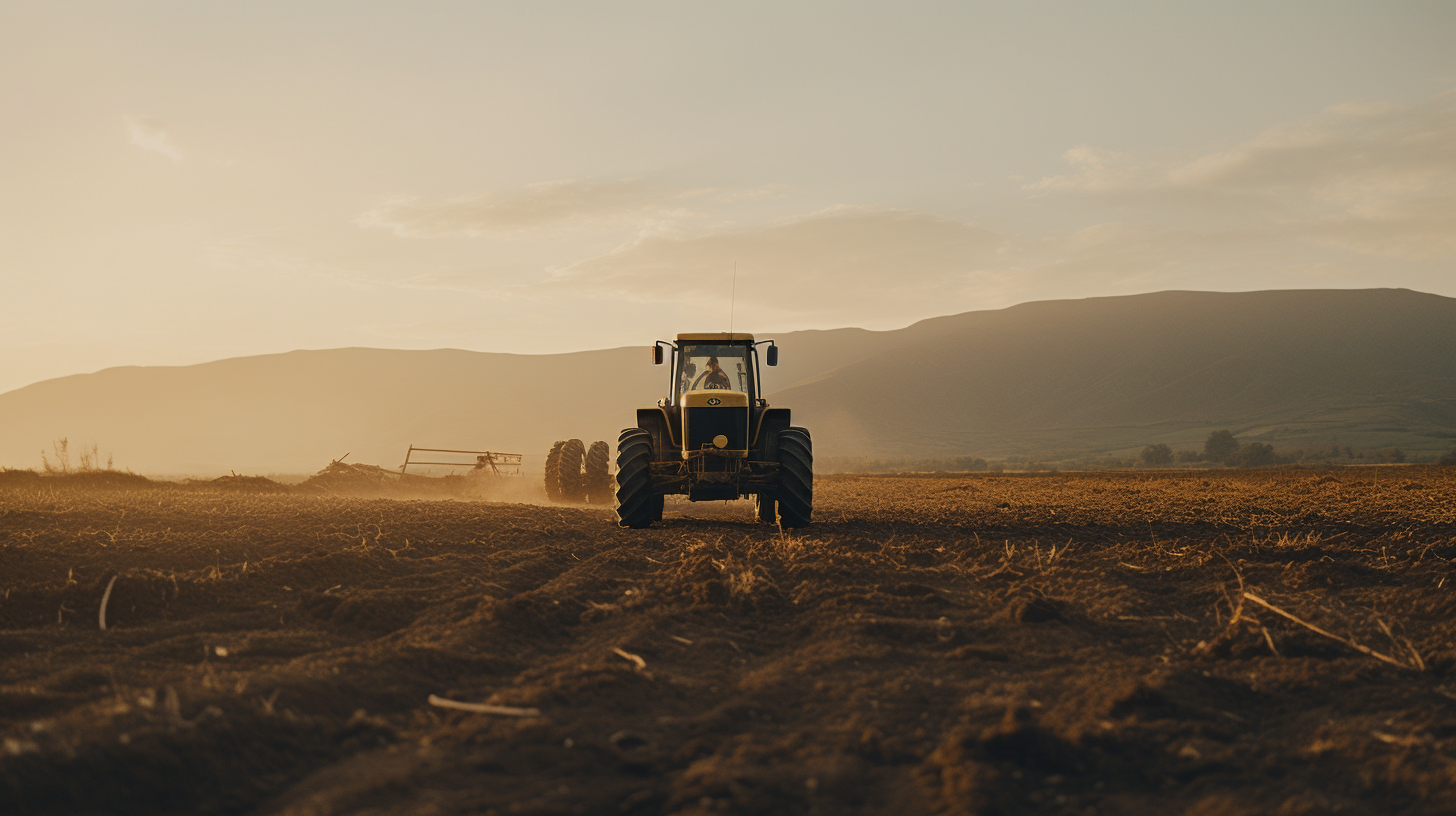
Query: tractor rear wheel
[
  {"x": 795, "y": 493},
  {"x": 572, "y": 454},
  {"x": 636, "y": 504},
  {"x": 598, "y": 477},
  {"x": 553, "y": 472}
]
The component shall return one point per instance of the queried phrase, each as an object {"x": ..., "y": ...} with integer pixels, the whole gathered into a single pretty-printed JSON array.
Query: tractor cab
[
  {"x": 714, "y": 362},
  {"x": 713, "y": 403}
]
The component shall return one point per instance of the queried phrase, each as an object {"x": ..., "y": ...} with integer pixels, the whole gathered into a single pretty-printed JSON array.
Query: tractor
[{"x": 714, "y": 437}]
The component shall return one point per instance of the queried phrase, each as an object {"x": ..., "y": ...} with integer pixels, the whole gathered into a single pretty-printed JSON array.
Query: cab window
[{"x": 706, "y": 367}]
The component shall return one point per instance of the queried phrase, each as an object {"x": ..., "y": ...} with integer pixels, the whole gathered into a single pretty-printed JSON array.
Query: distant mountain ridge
[{"x": 1046, "y": 379}]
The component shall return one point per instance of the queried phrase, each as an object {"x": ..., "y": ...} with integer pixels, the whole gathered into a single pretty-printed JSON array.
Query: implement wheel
[
  {"x": 573, "y": 452},
  {"x": 598, "y": 477},
  {"x": 637, "y": 506},
  {"x": 553, "y": 472}
]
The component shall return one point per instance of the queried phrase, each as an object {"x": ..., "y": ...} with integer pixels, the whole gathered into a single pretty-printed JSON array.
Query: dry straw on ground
[{"x": 951, "y": 644}]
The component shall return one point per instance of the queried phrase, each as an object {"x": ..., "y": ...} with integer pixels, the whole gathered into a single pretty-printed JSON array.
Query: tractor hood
[
  {"x": 715, "y": 421},
  {"x": 715, "y": 398}
]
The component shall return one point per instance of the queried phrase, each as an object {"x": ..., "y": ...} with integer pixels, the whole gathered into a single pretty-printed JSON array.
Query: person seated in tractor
[{"x": 715, "y": 376}]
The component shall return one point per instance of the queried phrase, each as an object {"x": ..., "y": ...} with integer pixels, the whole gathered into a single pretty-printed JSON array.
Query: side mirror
[
  {"x": 656, "y": 355},
  {"x": 773, "y": 355}
]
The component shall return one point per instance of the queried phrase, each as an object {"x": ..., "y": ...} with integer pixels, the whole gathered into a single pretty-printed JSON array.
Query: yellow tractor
[{"x": 714, "y": 437}]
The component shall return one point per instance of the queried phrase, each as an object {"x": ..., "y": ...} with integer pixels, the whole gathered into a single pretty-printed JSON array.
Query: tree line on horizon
[{"x": 1223, "y": 448}]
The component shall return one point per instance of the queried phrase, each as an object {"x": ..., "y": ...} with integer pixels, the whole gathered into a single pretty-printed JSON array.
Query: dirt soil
[{"x": 1060, "y": 643}]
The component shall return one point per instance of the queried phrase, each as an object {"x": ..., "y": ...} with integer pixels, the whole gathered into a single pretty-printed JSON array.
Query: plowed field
[{"x": 983, "y": 644}]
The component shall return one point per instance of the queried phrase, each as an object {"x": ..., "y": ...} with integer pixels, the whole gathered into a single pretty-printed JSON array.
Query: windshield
[{"x": 705, "y": 366}]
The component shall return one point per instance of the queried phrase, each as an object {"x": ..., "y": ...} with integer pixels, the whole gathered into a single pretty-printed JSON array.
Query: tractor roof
[{"x": 716, "y": 337}]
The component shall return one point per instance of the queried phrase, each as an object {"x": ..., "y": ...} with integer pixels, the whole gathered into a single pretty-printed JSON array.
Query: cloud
[
  {"x": 843, "y": 261},
  {"x": 536, "y": 205},
  {"x": 1376, "y": 179},
  {"x": 1346, "y": 149},
  {"x": 148, "y": 134},
  {"x": 1373, "y": 179},
  {"x": 766, "y": 192},
  {"x": 1094, "y": 169},
  {"x": 881, "y": 268},
  {"x": 1357, "y": 195},
  {"x": 258, "y": 256}
]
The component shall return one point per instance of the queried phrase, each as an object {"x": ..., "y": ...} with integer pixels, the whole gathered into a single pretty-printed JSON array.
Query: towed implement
[
  {"x": 485, "y": 463},
  {"x": 714, "y": 437}
]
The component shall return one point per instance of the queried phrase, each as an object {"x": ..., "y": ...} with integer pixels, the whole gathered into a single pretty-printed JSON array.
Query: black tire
[
  {"x": 598, "y": 475},
  {"x": 795, "y": 493},
  {"x": 573, "y": 454},
  {"x": 767, "y": 511},
  {"x": 637, "y": 506},
  {"x": 553, "y": 472}
]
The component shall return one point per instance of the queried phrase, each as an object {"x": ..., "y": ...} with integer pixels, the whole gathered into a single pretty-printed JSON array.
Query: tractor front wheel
[
  {"x": 637, "y": 506},
  {"x": 795, "y": 493}
]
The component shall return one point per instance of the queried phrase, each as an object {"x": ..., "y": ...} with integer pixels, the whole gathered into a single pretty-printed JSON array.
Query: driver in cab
[{"x": 715, "y": 376}]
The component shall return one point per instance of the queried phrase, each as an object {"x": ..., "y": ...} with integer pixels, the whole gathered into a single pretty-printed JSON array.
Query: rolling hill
[
  {"x": 1105, "y": 375},
  {"x": 294, "y": 412},
  {"x": 1046, "y": 380}
]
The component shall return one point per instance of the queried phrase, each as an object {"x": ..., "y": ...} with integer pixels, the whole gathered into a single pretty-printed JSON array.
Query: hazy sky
[{"x": 183, "y": 181}]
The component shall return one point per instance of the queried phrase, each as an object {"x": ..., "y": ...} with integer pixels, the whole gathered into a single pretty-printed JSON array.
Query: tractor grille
[{"x": 705, "y": 423}]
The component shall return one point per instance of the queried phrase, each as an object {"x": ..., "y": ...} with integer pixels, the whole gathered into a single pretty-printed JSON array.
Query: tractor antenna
[{"x": 733, "y": 300}]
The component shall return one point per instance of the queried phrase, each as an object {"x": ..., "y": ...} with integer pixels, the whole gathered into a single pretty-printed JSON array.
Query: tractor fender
[
  {"x": 656, "y": 421},
  {"x": 765, "y": 437}
]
